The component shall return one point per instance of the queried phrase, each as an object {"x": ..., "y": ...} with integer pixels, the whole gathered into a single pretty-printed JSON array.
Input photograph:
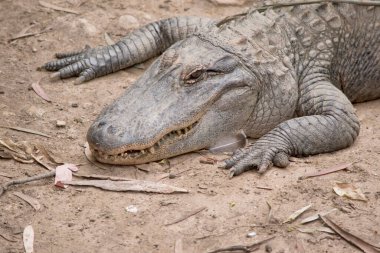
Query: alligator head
[{"x": 192, "y": 95}]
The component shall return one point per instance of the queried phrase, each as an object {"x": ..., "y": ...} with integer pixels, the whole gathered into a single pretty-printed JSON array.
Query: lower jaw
[{"x": 131, "y": 161}]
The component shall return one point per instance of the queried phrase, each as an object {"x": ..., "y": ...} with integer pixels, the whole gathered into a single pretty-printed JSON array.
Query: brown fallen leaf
[
  {"x": 26, "y": 130},
  {"x": 316, "y": 216},
  {"x": 19, "y": 151},
  {"x": 31, "y": 201},
  {"x": 297, "y": 213},
  {"x": 39, "y": 91},
  {"x": 132, "y": 185},
  {"x": 327, "y": 171},
  {"x": 95, "y": 176},
  {"x": 348, "y": 190},
  {"x": 28, "y": 239},
  {"x": 311, "y": 230},
  {"x": 354, "y": 240},
  {"x": 184, "y": 217},
  {"x": 57, "y": 8},
  {"x": 49, "y": 154}
]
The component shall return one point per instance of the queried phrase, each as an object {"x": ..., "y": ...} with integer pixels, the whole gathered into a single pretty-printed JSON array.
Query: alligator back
[{"x": 341, "y": 39}]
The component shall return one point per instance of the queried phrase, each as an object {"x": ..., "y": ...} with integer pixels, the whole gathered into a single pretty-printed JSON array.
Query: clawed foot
[
  {"x": 87, "y": 64},
  {"x": 260, "y": 157}
]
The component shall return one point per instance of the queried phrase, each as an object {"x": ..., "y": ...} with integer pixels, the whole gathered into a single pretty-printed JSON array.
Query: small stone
[
  {"x": 128, "y": 22},
  {"x": 2, "y": 92},
  {"x": 268, "y": 248},
  {"x": 251, "y": 234},
  {"x": 74, "y": 105},
  {"x": 171, "y": 176},
  {"x": 60, "y": 123},
  {"x": 34, "y": 50}
]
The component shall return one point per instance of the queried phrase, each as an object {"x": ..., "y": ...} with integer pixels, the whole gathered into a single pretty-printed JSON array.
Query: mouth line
[{"x": 140, "y": 153}]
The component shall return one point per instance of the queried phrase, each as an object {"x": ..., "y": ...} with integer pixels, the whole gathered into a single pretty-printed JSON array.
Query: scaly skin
[{"x": 286, "y": 76}]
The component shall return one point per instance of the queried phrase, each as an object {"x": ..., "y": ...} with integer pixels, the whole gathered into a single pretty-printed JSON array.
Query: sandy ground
[{"x": 93, "y": 220}]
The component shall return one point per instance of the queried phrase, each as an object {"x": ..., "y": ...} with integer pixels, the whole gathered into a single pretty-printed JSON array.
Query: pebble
[
  {"x": 128, "y": 22},
  {"x": 60, "y": 123},
  {"x": 74, "y": 105}
]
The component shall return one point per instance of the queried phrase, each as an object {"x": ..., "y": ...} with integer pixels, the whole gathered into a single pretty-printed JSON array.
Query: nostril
[
  {"x": 101, "y": 123},
  {"x": 111, "y": 130}
]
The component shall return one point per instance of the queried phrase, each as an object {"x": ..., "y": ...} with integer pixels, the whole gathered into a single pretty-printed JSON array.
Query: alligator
[{"x": 285, "y": 75}]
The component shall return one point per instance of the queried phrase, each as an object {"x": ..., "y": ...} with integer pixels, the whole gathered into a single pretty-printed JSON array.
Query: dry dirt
[{"x": 93, "y": 220}]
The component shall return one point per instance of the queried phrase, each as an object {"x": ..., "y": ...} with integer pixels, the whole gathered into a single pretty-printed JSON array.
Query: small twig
[
  {"x": 246, "y": 248},
  {"x": 177, "y": 174},
  {"x": 8, "y": 239},
  {"x": 264, "y": 188},
  {"x": 327, "y": 171},
  {"x": 5, "y": 186},
  {"x": 186, "y": 216},
  {"x": 26, "y": 130}
]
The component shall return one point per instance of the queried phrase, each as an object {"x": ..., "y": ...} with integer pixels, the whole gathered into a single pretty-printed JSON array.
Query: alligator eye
[{"x": 194, "y": 76}]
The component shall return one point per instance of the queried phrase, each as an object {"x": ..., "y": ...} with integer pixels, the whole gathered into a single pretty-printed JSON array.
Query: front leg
[
  {"x": 138, "y": 46},
  {"x": 329, "y": 123}
]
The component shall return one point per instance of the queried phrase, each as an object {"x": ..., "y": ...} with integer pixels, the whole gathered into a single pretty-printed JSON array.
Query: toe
[{"x": 281, "y": 160}]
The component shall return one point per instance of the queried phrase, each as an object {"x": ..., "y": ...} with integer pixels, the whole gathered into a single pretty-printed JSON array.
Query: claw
[
  {"x": 79, "y": 80},
  {"x": 222, "y": 166},
  {"x": 55, "y": 76},
  {"x": 232, "y": 173}
]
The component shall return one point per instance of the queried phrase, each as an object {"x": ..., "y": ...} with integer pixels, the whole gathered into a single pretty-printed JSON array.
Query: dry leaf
[
  {"x": 311, "y": 230},
  {"x": 297, "y": 213},
  {"x": 28, "y": 239},
  {"x": 49, "y": 154},
  {"x": 57, "y": 8},
  {"x": 229, "y": 143},
  {"x": 350, "y": 191},
  {"x": 316, "y": 216},
  {"x": 131, "y": 185},
  {"x": 31, "y": 201},
  {"x": 64, "y": 173},
  {"x": 358, "y": 242},
  {"x": 39, "y": 91}
]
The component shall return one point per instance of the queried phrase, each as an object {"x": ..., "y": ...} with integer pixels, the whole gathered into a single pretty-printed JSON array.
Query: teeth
[{"x": 152, "y": 150}]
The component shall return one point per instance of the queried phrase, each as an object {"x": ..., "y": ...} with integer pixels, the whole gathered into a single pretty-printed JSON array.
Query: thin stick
[
  {"x": 246, "y": 249},
  {"x": 5, "y": 186},
  {"x": 26, "y": 130},
  {"x": 186, "y": 216}
]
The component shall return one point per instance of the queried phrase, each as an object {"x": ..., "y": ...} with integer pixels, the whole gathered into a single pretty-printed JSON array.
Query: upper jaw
[{"x": 124, "y": 155}]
